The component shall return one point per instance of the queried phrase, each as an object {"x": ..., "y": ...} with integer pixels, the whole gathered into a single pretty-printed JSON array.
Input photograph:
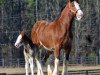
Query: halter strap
[
  {"x": 72, "y": 9},
  {"x": 78, "y": 10}
]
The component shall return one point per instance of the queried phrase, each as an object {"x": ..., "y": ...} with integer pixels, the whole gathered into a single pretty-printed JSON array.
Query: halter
[{"x": 72, "y": 9}]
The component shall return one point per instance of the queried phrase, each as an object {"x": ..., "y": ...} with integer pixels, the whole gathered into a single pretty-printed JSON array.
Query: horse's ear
[
  {"x": 76, "y": 0},
  {"x": 73, "y": 0},
  {"x": 22, "y": 33}
]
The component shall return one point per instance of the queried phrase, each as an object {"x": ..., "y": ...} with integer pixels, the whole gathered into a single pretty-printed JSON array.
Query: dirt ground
[{"x": 70, "y": 68}]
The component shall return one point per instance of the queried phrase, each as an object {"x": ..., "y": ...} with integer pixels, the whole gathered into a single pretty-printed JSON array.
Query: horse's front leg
[
  {"x": 26, "y": 66},
  {"x": 39, "y": 67},
  {"x": 49, "y": 70},
  {"x": 56, "y": 63},
  {"x": 65, "y": 65},
  {"x": 31, "y": 65},
  {"x": 66, "y": 60}
]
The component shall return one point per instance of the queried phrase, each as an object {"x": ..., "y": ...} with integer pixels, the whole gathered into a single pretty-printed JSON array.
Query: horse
[
  {"x": 31, "y": 53},
  {"x": 57, "y": 35}
]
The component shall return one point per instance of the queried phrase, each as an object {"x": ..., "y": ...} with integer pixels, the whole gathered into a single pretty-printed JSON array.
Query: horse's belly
[{"x": 46, "y": 47}]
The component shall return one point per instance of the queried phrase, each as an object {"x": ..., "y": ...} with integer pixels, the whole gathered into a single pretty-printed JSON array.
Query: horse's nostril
[{"x": 16, "y": 45}]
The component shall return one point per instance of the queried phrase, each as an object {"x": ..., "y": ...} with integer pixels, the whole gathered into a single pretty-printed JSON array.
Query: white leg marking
[
  {"x": 55, "y": 72},
  {"x": 40, "y": 70},
  {"x": 31, "y": 66},
  {"x": 49, "y": 70},
  {"x": 26, "y": 67},
  {"x": 65, "y": 68}
]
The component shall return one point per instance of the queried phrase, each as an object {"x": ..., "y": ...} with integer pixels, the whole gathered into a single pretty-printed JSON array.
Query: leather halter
[{"x": 74, "y": 11}]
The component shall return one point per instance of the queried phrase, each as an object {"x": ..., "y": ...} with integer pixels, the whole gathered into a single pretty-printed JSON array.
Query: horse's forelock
[{"x": 22, "y": 33}]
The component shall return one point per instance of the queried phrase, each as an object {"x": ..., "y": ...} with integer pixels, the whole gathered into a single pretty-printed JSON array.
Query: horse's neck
[
  {"x": 66, "y": 18},
  {"x": 27, "y": 46},
  {"x": 27, "y": 43}
]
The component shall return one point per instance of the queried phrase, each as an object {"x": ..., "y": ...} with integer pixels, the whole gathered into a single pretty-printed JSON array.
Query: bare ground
[{"x": 70, "y": 68}]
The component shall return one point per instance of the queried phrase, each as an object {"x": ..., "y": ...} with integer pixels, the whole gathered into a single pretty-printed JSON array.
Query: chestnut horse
[{"x": 57, "y": 35}]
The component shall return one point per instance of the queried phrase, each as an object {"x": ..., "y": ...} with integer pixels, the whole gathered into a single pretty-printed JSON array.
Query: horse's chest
[{"x": 67, "y": 40}]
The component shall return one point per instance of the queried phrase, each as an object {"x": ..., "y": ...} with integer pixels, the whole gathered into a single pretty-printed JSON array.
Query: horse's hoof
[{"x": 55, "y": 74}]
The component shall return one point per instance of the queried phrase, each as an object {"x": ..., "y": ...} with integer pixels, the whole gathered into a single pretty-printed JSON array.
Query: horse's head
[
  {"x": 20, "y": 39},
  {"x": 75, "y": 8}
]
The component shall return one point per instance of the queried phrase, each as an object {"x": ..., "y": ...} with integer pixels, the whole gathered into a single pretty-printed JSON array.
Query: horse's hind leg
[{"x": 39, "y": 67}]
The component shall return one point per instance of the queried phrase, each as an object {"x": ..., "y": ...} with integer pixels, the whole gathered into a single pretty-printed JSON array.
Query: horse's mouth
[{"x": 17, "y": 46}]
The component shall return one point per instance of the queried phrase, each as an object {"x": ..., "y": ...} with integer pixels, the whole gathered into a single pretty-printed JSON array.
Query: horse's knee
[{"x": 57, "y": 60}]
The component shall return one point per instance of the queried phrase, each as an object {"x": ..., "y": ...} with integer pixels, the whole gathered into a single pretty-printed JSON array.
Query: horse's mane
[
  {"x": 60, "y": 12},
  {"x": 63, "y": 6},
  {"x": 29, "y": 41}
]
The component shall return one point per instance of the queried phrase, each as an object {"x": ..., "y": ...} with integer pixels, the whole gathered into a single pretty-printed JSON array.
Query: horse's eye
[{"x": 73, "y": 4}]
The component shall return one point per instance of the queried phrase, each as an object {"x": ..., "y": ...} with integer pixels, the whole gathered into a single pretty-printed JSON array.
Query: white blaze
[
  {"x": 18, "y": 41},
  {"x": 79, "y": 13}
]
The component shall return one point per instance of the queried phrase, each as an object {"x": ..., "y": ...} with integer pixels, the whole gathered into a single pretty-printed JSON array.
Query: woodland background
[{"x": 18, "y": 15}]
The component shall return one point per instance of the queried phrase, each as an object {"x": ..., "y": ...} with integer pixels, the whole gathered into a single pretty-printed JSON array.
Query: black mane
[{"x": 29, "y": 41}]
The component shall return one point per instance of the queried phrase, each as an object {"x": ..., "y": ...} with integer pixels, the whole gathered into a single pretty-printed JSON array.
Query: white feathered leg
[
  {"x": 39, "y": 67},
  {"x": 55, "y": 72},
  {"x": 31, "y": 66},
  {"x": 49, "y": 70},
  {"x": 26, "y": 67}
]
